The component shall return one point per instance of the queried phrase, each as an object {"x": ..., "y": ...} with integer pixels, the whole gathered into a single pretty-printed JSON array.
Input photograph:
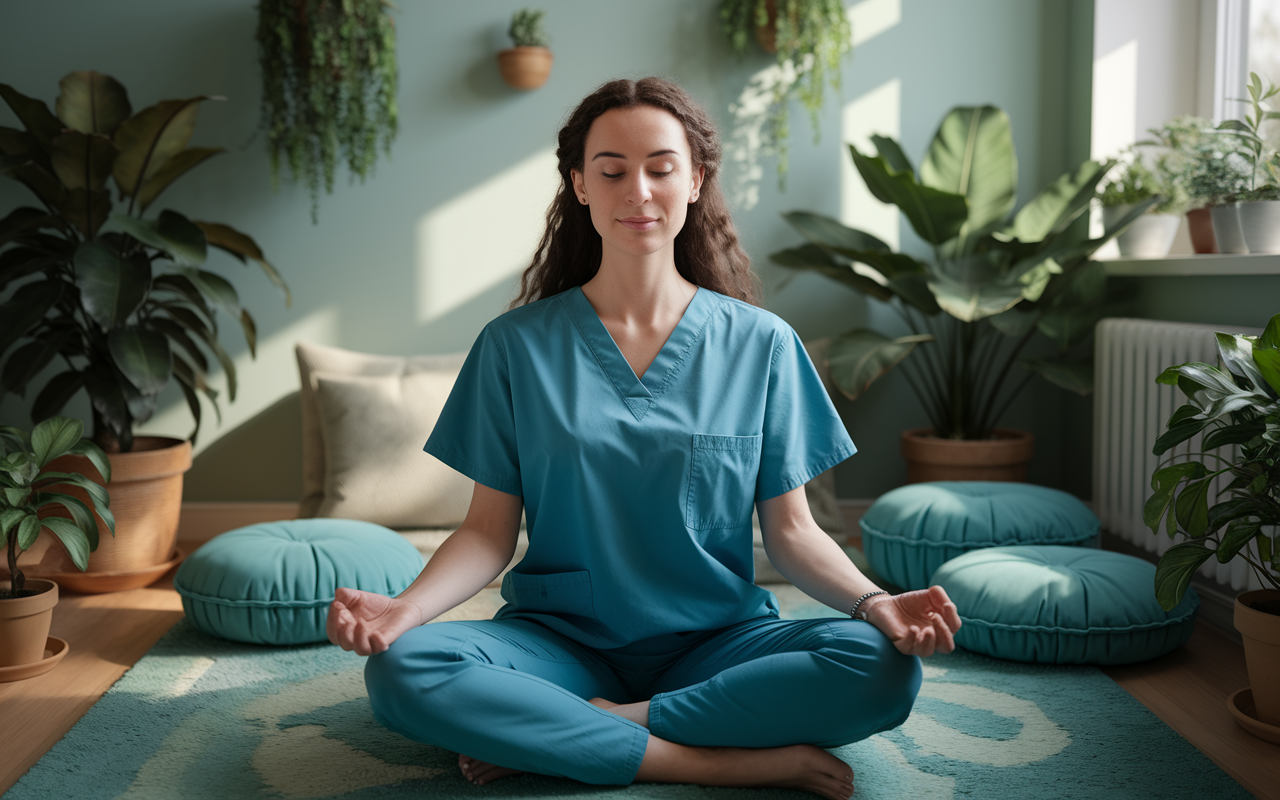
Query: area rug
[{"x": 201, "y": 718}]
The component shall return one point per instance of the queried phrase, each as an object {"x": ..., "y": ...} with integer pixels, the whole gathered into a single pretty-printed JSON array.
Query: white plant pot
[
  {"x": 1260, "y": 224},
  {"x": 1226, "y": 228},
  {"x": 1148, "y": 236}
]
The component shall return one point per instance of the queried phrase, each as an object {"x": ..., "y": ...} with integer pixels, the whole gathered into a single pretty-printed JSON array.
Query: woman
[{"x": 635, "y": 403}]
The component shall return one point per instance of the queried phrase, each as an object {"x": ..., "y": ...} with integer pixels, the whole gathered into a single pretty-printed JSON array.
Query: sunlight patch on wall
[
  {"x": 879, "y": 111},
  {"x": 870, "y": 18},
  {"x": 260, "y": 382},
  {"x": 1115, "y": 101},
  {"x": 483, "y": 236}
]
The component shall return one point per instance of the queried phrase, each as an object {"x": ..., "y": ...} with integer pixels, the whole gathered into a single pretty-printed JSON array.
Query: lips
[{"x": 639, "y": 223}]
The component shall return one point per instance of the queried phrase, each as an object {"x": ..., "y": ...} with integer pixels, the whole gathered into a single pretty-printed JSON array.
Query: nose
[{"x": 639, "y": 189}]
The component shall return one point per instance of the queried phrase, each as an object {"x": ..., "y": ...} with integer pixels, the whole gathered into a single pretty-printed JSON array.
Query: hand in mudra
[
  {"x": 918, "y": 623},
  {"x": 368, "y": 623}
]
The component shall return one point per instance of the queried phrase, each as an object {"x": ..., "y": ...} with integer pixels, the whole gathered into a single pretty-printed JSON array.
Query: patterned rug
[{"x": 201, "y": 718}]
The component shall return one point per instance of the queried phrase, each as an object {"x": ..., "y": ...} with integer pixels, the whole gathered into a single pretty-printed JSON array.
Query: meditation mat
[{"x": 201, "y": 718}]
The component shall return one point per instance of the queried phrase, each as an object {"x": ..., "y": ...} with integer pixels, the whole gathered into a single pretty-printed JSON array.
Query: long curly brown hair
[{"x": 708, "y": 253}]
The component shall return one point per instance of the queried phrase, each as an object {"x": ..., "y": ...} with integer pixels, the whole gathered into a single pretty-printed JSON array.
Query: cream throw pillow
[{"x": 373, "y": 430}]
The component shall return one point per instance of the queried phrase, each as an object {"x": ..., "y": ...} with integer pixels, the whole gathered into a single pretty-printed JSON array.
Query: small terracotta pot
[
  {"x": 24, "y": 623},
  {"x": 1260, "y": 629},
  {"x": 1004, "y": 457},
  {"x": 525, "y": 67},
  {"x": 1200, "y": 226}
]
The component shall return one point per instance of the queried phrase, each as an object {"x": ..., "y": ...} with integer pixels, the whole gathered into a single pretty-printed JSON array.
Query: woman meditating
[{"x": 636, "y": 403}]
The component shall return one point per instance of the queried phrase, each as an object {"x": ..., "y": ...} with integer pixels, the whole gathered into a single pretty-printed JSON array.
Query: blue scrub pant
[{"x": 514, "y": 693}]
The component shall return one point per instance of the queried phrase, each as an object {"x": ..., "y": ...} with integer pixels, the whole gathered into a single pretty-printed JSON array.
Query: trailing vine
[{"x": 329, "y": 87}]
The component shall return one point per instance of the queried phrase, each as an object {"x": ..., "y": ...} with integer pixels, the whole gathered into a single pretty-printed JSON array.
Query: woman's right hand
[{"x": 368, "y": 623}]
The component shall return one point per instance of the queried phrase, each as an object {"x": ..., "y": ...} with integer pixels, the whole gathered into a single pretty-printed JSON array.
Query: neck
[{"x": 644, "y": 289}]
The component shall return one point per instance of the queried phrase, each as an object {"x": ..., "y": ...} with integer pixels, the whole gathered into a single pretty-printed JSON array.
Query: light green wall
[{"x": 362, "y": 278}]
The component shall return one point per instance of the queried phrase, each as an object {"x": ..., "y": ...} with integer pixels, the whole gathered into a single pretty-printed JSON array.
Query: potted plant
[
  {"x": 527, "y": 64},
  {"x": 997, "y": 280},
  {"x": 28, "y": 493},
  {"x": 121, "y": 299},
  {"x": 1131, "y": 182},
  {"x": 329, "y": 80},
  {"x": 1259, "y": 208},
  {"x": 809, "y": 38},
  {"x": 1236, "y": 405}
]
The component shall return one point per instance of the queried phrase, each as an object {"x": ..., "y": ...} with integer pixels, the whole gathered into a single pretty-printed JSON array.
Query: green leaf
[
  {"x": 34, "y": 115},
  {"x": 1165, "y": 482},
  {"x": 87, "y": 209},
  {"x": 1236, "y": 353},
  {"x": 1178, "y": 434},
  {"x": 250, "y": 329},
  {"x": 1270, "y": 338},
  {"x": 1268, "y": 363},
  {"x": 186, "y": 378},
  {"x": 242, "y": 246},
  {"x": 27, "y": 361},
  {"x": 28, "y": 530},
  {"x": 1175, "y": 569},
  {"x": 24, "y": 219},
  {"x": 150, "y": 138},
  {"x": 891, "y": 152},
  {"x": 1014, "y": 323},
  {"x": 1240, "y": 433},
  {"x": 1192, "y": 508},
  {"x": 102, "y": 382},
  {"x": 859, "y": 357},
  {"x": 216, "y": 289},
  {"x": 98, "y": 494},
  {"x": 96, "y": 457},
  {"x": 1059, "y": 204},
  {"x": 1074, "y": 375},
  {"x": 177, "y": 335},
  {"x": 210, "y": 338},
  {"x": 913, "y": 288},
  {"x": 179, "y": 285},
  {"x": 1068, "y": 325},
  {"x": 936, "y": 215},
  {"x": 91, "y": 102},
  {"x": 55, "y": 437},
  {"x": 143, "y": 356},
  {"x": 173, "y": 233},
  {"x": 80, "y": 513},
  {"x": 1238, "y": 534},
  {"x": 972, "y": 155},
  {"x": 35, "y": 177},
  {"x": 111, "y": 286},
  {"x": 8, "y": 518},
  {"x": 16, "y": 496},
  {"x": 174, "y": 168},
  {"x": 24, "y": 310},
  {"x": 969, "y": 289},
  {"x": 73, "y": 539},
  {"x": 56, "y": 394},
  {"x": 832, "y": 234},
  {"x": 83, "y": 160}
]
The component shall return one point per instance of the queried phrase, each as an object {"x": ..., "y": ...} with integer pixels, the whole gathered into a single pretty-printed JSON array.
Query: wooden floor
[{"x": 108, "y": 633}]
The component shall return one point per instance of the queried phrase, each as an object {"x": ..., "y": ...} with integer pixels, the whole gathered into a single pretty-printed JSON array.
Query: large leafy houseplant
[
  {"x": 121, "y": 298},
  {"x": 810, "y": 37},
  {"x": 1237, "y": 403},
  {"x": 27, "y": 487},
  {"x": 997, "y": 279}
]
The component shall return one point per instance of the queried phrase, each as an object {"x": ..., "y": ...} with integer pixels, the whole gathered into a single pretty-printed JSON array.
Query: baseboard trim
[{"x": 203, "y": 520}]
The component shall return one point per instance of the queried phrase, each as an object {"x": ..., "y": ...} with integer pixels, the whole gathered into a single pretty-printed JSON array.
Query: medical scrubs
[{"x": 638, "y": 581}]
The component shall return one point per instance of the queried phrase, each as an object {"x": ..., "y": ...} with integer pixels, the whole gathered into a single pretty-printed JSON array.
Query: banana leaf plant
[
  {"x": 997, "y": 279},
  {"x": 28, "y": 487},
  {"x": 120, "y": 297},
  {"x": 1235, "y": 404}
]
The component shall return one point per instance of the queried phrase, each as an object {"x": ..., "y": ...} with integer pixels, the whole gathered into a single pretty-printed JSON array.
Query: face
[{"x": 638, "y": 179}]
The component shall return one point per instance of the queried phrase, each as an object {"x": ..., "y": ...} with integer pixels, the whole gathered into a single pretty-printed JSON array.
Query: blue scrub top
[{"x": 638, "y": 492}]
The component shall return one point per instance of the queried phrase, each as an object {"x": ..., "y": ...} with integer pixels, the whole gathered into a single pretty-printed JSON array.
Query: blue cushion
[
  {"x": 911, "y": 531},
  {"x": 1063, "y": 605},
  {"x": 272, "y": 583}
]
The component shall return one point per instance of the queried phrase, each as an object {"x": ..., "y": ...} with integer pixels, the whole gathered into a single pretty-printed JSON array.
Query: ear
[
  {"x": 579, "y": 185},
  {"x": 696, "y": 184}
]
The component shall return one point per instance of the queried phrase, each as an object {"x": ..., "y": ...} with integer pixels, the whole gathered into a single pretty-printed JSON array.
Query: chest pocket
[{"x": 722, "y": 481}]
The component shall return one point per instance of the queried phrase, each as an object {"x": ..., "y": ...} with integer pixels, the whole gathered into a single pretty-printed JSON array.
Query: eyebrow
[{"x": 654, "y": 154}]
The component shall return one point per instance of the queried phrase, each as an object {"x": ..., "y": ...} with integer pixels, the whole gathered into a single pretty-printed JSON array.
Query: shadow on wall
[{"x": 236, "y": 466}]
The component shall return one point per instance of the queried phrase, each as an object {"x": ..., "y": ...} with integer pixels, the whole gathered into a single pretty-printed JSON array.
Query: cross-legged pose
[{"x": 635, "y": 404}]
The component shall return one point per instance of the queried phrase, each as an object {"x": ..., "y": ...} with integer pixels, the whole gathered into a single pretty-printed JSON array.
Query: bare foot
[
  {"x": 636, "y": 712},
  {"x": 480, "y": 772},
  {"x": 801, "y": 766}
]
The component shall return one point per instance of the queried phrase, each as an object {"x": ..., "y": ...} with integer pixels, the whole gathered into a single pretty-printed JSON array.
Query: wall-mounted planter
[
  {"x": 525, "y": 68},
  {"x": 1226, "y": 228},
  {"x": 1260, "y": 224}
]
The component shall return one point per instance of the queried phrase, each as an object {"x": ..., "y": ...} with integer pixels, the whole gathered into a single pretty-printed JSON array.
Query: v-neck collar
[{"x": 638, "y": 393}]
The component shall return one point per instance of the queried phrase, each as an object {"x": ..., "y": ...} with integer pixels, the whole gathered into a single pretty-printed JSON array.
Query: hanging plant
[
  {"x": 328, "y": 87},
  {"x": 809, "y": 37}
]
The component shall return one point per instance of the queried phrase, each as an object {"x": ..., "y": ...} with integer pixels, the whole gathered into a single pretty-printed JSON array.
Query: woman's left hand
[{"x": 918, "y": 623}]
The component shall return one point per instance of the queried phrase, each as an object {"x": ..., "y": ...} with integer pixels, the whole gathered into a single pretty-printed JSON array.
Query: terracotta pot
[
  {"x": 1226, "y": 228},
  {"x": 24, "y": 623},
  {"x": 146, "y": 500},
  {"x": 1258, "y": 620},
  {"x": 525, "y": 67},
  {"x": 1260, "y": 224},
  {"x": 1200, "y": 226},
  {"x": 767, "y": 34},
  {"x": 1004, "y": 457}
]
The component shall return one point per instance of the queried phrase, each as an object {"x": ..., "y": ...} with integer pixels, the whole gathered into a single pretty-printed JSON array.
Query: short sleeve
[
  {"x": 803, "y": 435},
  {"x": 476, "y": 432}
]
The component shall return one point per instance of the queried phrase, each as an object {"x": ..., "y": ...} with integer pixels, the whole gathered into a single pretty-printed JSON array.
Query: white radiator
[{"x": 1130, "y": 411}]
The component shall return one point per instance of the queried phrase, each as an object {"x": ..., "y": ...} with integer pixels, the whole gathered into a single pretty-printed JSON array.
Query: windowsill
[{"x": 1217, "y": 264}]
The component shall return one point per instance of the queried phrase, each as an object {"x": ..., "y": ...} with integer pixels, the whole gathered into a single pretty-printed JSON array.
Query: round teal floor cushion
[
  {"x": 911, "y": 531},
  {"x": 1063, "y": 605},
  {"x": 272, "y": 583}
]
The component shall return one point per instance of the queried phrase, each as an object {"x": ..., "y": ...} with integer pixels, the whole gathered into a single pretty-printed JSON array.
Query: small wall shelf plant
[
  {"x": 809, "y": 37},
  {"x": 328, "y": 87},
  {"x": 527, "y": 64},
  {"x": 1134, "y": 180}
]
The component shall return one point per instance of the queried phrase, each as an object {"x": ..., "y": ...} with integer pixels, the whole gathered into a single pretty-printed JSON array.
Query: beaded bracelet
[{"x": 853, "y": 612}]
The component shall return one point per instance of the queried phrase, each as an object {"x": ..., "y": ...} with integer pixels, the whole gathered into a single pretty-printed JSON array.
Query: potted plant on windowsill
[
  {"x": 1131, "y": 182},
  {"x": 121, "y": 299},
  {"x": 527, "y": 64},
  {"x": 997, "y": 280},
  {"x": 1258, "y": 205},
  {"x": 29, "y": 505},
  {"x": 1234, "y": 406}
]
